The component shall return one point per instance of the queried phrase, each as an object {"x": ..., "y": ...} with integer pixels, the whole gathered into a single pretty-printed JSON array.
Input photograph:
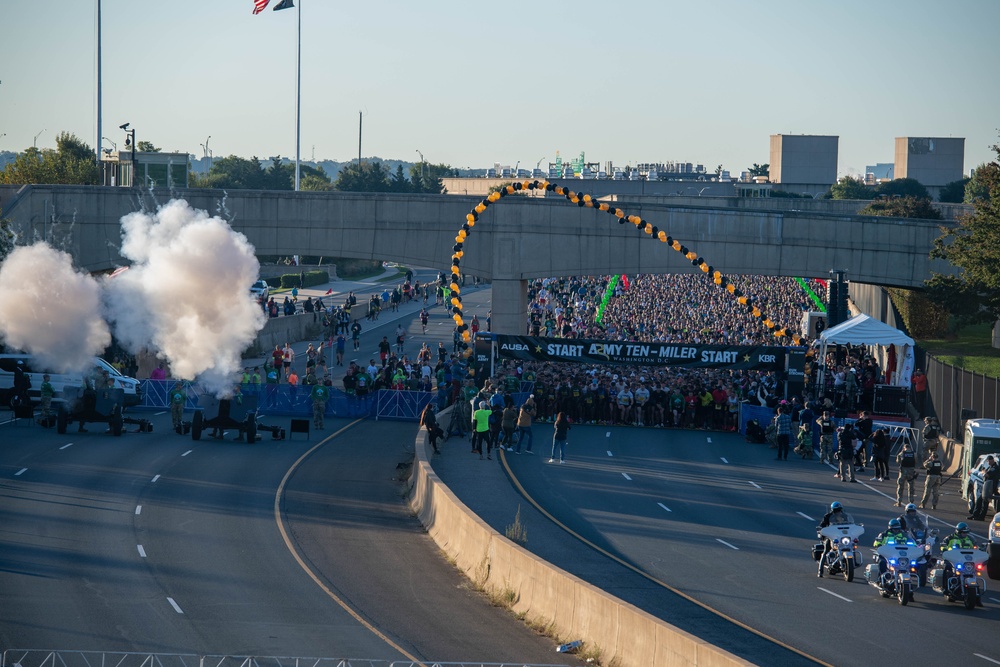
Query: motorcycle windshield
[
  {"x": 965, "y": 556},
  {"x": 838, "y": 531},
  {"x": 897, "y": 551}
]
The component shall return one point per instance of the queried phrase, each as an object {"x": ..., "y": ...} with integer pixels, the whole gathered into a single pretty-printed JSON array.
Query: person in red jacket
[{"x": 919, "y": 383}]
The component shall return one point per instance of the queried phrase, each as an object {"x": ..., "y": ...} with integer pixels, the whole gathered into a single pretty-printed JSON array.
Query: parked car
[
  {"x": 34, "y": 371},
  {"x": 260, "y": 290}
]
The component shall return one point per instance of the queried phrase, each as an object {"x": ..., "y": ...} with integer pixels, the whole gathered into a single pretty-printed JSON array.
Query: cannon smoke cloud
[
  {"x": 186, "y": 295},
  {"x": 50, "y": 310}
]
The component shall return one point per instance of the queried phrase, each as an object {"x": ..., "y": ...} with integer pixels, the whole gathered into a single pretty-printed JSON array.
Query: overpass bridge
[{"x": 517, "y": 239}]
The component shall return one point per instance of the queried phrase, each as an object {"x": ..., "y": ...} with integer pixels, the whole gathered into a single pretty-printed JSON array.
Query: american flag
[{"x": 260, "y": 5}]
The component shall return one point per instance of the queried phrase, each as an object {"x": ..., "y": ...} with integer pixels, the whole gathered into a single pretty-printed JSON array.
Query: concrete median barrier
[{"x": 548, "y": 596}]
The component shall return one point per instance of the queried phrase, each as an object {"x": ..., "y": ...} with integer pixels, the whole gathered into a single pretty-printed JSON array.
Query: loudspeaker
[{"x": 890, "y": 400}]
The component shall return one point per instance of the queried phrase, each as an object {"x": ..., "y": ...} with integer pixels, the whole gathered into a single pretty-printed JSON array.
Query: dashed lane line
[
  {"x": 176, "y": 606},
  {"x": 805, "y": 516},
  {"x": 724, "y": 459},
  {"x": 154, "y": 479},
  {"x": 755, "y": 485},
  {"x": 664, "y": 507},
  {"x": 834, "y": 594},
  {"x": 609, "y": 453},
  {"x": 142, "y": 552},
  {"x": 68, "y": 444},
  {"x": 727, "y": 544},
  {"x": 625, "y": 475},
  {"x": 138, "y": 510},
  {"x": 187, "y": 452},
  {"x": 709, "y": 440},
  {"x": 987, "y": 659},
  {"x": 20, "y": 472}
]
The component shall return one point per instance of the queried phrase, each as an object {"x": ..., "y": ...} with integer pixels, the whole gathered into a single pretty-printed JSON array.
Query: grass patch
[
  {"x": 970, "y": 349},
  {"x": 399, "y": 275},
  {"x": 516, "y": 532}
]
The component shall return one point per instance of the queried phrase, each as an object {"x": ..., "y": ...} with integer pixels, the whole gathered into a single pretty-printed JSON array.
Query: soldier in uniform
[
  {"x": 907, "y": 460},
  {"x": 932, "y": 484},
  {"x": 46, "y": 392},
  {"x": 826, "y": 431},
  {"x": 319, "y": 395},
  {"x": 177, "y": 397}
]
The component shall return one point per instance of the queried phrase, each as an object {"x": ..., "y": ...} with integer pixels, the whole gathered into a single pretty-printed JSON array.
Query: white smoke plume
[
  {"x": 50, "y": 310},
  {"x": 186, "y": 296}
]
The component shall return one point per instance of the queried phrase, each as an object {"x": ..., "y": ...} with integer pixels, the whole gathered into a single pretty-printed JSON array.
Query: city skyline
[{"x": 470, "y": 86}]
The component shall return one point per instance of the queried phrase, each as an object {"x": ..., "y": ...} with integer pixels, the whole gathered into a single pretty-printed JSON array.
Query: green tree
[
  {"x": 399, "y": 182},
  {"x": 977, "y": 187},
  {"x": 426, "y": 177},
  {"x": 233, "y": 173},
  {"x": 760, "y": 169},
  {"x": 72, "y": 163},
  {"x": 849, "y": 187},
  {"x": 363, "y": 177},
  {"x": 903, "y": 207},
  {"x": 146, "y": 147},
  {"x": 313, "y": 179},
  {"x": 973, "y": 247},
  {"x": 953, "y": 192},
  {"x": 903, "y": 187}
]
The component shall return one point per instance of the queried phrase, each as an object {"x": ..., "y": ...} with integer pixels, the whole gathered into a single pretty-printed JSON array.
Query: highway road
[
  {"x": 722, "y": 522},
  {"x": 156, "y": 543}
]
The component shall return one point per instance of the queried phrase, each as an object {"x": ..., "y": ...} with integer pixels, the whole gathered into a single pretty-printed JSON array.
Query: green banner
[
  {"x": 607, "y": 297},
  {"x": 812, "y": 295}
]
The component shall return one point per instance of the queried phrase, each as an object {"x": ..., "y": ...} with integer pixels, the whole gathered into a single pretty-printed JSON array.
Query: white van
[{"x": 8, "y": 362}]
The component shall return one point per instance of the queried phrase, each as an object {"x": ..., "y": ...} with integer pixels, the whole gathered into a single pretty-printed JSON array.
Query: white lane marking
[
  {"x": 664, "y": 507},
  {"x": 805, "y": 516},
  {"x": 980, "y": 655},
  {"x": 68, "y": 444},
  {"x": 157, "y": 414},
  {"x": 20, "y": 472},
  {"x": 994, "y": 600},
  {"x": 609, "y": 453},
  {"x": 138, "y": 510},
  {"x": 174, "y": 605},
  {"x": 834, "y": 594},
  {"x": 142, "y": 552},
  {"x": 156, "y": 478},
  {"x": 727, "y": 544},
  {"x": 709, "y": 440},
  {"x": 724, "y": 460},
  {"x": 608, "y": 434},
  {"x": 187, "y": 452},
  {"x": 754, "y": 484},
  {"x": 625, "y": 475}
]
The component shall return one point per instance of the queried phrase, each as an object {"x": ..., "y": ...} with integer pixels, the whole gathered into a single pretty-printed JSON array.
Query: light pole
[
  {"x": 97, "y": 65},
  {"x": 421, "y": 163},
  {"x": 113, "y": 144},
  {"x": 538, "y": 165},
  {"x": 34, "y": 142}
]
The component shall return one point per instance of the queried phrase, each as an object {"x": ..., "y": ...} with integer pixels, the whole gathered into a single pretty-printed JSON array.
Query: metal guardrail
[{"x": 62, "y": 658}]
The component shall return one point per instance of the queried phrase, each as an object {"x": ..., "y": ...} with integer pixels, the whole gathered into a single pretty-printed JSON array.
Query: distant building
[
  {"x": 882, "y": 171},
  {"x": 803, "y": 163},
  {"x": 161, "y": 170},
  {"x": 933, "y": 161}
]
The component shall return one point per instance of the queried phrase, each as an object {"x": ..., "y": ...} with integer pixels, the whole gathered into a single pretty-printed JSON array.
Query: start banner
[{"x": 734, "y": 357}]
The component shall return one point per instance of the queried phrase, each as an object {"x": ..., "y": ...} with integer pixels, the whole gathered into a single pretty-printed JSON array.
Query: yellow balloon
[
  {"x": 704, "y": 268},
  {"x": 691, "y": 255},
  {"x": 454, "y": 270},
  {"x": 587, "y": 197},
  {"x": 717, "y": 274},
  {"x": 756, "y": 312},
  {"x": 470, "y": 218},
  {"x": 471, "y": 223},
  {"x": 731, "y": 288},
  {"x": 467, "y": 353},
  {"x": 458, "y": 320},
  {"x": 454, "y": 288},
  {"x": 676, "y": 245},
  {"x": 466, "y": 336},
  {"x": 742, "y": 300},
  {"x": 459, "y": 239},
  {"x": 456, "y": 302},
  {"x": 604, "y": 207},
  {"x": 649, "y": 230},
  {"x": 459, "y": 254},
  {"x": 480, "y": 208},
  {"x": 717, "y": 281},
  {"x": 662, "y": 235},
  {"x": 509, "y": 189},
  {"x": 463, "y": 233}
]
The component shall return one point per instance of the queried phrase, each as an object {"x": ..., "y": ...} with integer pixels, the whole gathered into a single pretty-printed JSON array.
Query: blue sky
[{"x": 473, "y": 83}]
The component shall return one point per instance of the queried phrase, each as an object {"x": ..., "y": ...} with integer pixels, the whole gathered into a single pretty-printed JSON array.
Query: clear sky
[{"x": 472, "y": 83}]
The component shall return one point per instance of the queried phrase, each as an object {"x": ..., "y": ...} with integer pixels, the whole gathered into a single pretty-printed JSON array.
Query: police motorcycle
[
  {"x": 843, "y": 555},
  {"x": 964, "y": 579},
  {"x": 900, "y": 578}
]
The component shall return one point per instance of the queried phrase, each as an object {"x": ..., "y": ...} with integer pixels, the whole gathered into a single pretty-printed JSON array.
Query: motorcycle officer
[
  {"x": 960, "y": 539},
  {"x": 893, "y": 534},
  {"x": 912, "y": 522},
  {"x": 836, "y": 516}
]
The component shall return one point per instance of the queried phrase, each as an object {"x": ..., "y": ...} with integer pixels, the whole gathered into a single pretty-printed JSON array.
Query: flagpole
[
  {"x": 298, "y": 98},
  {"x": 97, "y": 149}
]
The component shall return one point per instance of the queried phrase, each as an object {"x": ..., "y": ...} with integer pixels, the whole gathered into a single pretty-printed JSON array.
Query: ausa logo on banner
[{"x": 735, "y": 357}]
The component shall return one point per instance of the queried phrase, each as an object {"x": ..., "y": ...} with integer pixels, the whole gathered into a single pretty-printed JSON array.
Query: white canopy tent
[{"x": 885, "y": 342}]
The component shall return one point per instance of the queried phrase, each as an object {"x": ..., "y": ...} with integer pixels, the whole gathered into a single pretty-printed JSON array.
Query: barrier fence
[
  {"x": 65, "y": 658},
  {"x": 955, "y": 395}
]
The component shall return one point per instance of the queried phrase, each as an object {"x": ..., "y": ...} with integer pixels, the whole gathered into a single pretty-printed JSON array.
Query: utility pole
[{"x": 359, "y": 138}]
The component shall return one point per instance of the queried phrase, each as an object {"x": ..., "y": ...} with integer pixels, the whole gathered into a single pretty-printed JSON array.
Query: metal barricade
[{"x": 65, "y": 658}]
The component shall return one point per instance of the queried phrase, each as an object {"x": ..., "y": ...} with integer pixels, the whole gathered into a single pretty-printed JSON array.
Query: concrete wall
[
  {"x": 627, "y": 636},
  {"x": 516, "y": 239}
]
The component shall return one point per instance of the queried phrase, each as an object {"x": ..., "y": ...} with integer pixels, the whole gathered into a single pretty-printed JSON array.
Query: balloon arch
[{"x": 581, "y": 199}]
